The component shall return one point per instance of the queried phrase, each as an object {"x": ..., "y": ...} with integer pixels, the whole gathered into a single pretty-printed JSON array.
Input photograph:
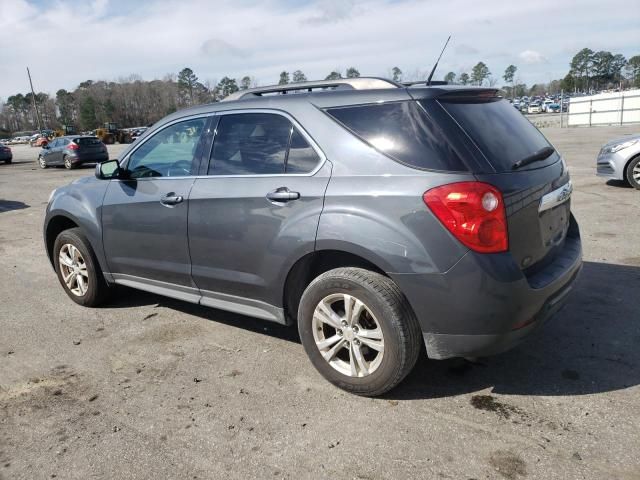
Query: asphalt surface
[{"x": 149, "y": 387}]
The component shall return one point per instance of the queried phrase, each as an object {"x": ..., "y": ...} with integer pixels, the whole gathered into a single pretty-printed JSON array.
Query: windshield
[{"x": 502, "y": 133}]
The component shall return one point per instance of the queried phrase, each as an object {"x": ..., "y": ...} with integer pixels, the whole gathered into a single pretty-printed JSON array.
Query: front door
[
  {"x": 144, "y": 217},
  {"x": 256, "y": 209}
]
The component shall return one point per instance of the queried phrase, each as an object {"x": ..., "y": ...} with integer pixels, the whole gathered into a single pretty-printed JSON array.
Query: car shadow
[
  {"x": 124, "y": 297},
  {"x": 9, "y": 205},
  {"x": 618, "y": 183},
  {"x": 590, "y": 346}
]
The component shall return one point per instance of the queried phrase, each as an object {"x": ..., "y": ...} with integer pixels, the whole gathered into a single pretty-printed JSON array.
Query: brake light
[
  {"x": 473, "y": 212},
  {"x": 73, "y": 146}
]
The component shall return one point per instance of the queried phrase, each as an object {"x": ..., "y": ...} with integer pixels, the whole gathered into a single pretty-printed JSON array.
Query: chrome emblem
[{"x": 555, "y": 198}]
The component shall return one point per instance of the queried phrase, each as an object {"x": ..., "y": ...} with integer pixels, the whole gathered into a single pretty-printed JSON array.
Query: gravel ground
[{"x": 148, "y": 387}]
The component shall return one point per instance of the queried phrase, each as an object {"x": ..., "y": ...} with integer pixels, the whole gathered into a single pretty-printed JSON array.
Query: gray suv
[{"x": 376, "y": 216}]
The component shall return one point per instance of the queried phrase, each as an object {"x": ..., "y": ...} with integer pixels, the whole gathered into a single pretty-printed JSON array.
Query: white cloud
[
  {"x": 532, "y": 57},
  {"x": 108, "y": 39}
]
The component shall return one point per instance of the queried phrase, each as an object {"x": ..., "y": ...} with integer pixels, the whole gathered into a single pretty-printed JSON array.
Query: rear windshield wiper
[{"x": 541, "y": 154}]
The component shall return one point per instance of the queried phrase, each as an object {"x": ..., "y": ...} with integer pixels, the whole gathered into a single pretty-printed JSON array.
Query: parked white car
[{"x": 534, "y": 108}]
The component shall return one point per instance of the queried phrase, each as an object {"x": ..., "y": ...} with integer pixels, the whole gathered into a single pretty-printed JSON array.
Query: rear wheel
[
  {"x": 78, "y": 270},
  {"x": 633, "y": 173},
  {"x": 67, "y": 163},
  {"x": 42, "y": 162},
  {"x": 358, "y": 330},
  {"x": 8, "y": 161}
]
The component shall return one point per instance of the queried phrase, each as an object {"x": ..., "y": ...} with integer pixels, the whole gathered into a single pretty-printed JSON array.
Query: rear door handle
[
  {"x": 282, "y": 194},
  {"x": 171, "y": 199}
]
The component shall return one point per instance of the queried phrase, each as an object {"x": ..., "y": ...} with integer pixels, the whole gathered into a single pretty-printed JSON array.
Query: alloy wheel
[
  {"x": 42, "y": 162},
  {"x": 73, "y": 269},
  {"x": 348, "y": 335},
  {"x": 635, "y": 173}
]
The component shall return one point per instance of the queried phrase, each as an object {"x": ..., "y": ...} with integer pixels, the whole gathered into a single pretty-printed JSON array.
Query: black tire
[
  {"x": 400, "y": 328},
  {"x": 8, "y": 161},
  {"x": 97, "y": 289},
  {"x": 633, "y": 164},
  {"x": 67, "y": 163},
  {"x": 42, "y": 162}
]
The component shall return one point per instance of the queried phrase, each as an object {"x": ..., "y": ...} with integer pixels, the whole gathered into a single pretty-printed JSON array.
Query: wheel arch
[
  {"x": 315, "y": 263},
  {"x": 56, "y": 225}
]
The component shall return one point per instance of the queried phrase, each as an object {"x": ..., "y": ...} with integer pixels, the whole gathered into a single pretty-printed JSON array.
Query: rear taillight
[
  {"x": 473, "y": 212},
  {"x": 73, "y": 146}
]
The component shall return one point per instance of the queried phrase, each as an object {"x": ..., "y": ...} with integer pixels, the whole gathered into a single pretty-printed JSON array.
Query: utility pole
[{"x": 35, "y": 105}]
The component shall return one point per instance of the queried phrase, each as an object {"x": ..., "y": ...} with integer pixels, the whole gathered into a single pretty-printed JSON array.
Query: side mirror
[{"x": 107, "y": 170}]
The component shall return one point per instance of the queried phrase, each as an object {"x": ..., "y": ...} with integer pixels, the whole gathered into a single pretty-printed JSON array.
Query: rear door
[
  {"x": 537, "y": 195},
  {"x": 144, "y": 215},
  {"x": 256, "y": 208}
]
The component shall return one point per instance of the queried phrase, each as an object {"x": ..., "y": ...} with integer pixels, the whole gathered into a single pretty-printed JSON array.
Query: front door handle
[
  {"x": 282, "y": 194},
  {"x": 171, "y": 199}
]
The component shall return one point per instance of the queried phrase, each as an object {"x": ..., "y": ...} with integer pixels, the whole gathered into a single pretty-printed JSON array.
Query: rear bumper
[
  {"x": 485, "y": 305},
  {"x": 89, "y": 158}
]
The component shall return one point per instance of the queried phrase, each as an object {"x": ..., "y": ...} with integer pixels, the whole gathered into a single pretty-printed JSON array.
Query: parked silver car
[{"x": 620, "y": 160}]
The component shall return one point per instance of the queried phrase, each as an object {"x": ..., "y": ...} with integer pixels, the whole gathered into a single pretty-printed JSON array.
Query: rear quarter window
[{"x": 402, "y": 131}]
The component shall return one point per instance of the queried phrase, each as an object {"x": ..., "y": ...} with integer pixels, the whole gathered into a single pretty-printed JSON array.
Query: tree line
[{"x": 133, "y": 101}]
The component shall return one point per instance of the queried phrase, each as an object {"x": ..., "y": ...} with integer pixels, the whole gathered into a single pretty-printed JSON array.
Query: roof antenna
[{"x": 433, "y": 70}]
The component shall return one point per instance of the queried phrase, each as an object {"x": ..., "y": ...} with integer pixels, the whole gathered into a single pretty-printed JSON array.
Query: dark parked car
[
  {"x": 72, "y": 151},
  {"x": 377, "y": 218},
  {"x": 5, "y": 154}
]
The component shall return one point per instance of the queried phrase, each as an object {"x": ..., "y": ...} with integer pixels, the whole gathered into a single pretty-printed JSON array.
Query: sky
[{"x": 65, "y": 42}]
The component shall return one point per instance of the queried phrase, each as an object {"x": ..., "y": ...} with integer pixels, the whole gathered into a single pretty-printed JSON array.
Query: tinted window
[
  {"x": 502, "y": 133},
  {"x": 302, "y": 157},
  {"x": 169, "y": 152},
  {"x": 250, "y": 144},
  {"x": 54, "y": 143},
  {"x": 403, "y": 131}
]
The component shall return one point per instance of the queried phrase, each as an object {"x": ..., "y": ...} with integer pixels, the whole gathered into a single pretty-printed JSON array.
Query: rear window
[
  {"x": 502, "y": 133},
  {"x": 402, "y": 131},
  {"x": 84, "y": 141}
]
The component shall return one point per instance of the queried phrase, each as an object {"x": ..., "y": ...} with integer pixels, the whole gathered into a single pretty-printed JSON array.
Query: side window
[
  {"x": 169, "y": 152},
  {"x": 54, "y": 143},
  {"x": 302, "y": 157},
  {"x": 250, "y": 144},
  {"x": 402, "y": 131}
]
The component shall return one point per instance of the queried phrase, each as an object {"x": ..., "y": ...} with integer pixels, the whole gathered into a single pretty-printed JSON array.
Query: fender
[{"x": 81, "y": 202}]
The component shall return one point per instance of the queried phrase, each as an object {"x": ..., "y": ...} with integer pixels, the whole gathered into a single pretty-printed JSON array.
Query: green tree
[
  {"x": 450, "y": 77},
  {"x": 187, "y": 81},
  {"x": 632, "y": 70},
  {"x": 480, "y": 73},
  {"x": 617, "y": 65},
  {"x": 464, "y": 78},
  {"x": 88, "y": 113},
  {"x": 284, "y": 78},
  {"x": 66, "y": 106},
  {"x": 227, "y": 86},
  {"x": 582, "y": 67},
  {"x": 568, "y": 83},
  {"x": 333, "y": 76},
  {"x": 509, "y": 75},
  {"x": 352, "y": 72},
  {"x": 245, "y": 83},
  {"x": 298, "y": 77},
  {"x": 397, "y": 74}
]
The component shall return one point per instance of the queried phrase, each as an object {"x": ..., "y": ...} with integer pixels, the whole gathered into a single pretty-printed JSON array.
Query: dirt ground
[{"x": 149, "y": 387}]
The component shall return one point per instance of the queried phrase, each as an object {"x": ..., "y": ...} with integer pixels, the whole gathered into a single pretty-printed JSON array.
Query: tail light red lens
[
  {"x": 473, "y": 212},
  {"x": 73, "y": 146}
]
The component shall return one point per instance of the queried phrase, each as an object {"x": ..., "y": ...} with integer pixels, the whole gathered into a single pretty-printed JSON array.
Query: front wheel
[
  {"x": 8, "y": 161},
  {"x": 358, "y": 330},
  {"x": 633, "y": 173},
  {"x": 42, "y": 162},
  {"x": 78, "y": 270}
]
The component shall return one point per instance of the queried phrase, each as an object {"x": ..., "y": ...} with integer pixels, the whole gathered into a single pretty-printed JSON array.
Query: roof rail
[
  {"x": 359, "y": 83},
  {"x": 424, "y": 82}
]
